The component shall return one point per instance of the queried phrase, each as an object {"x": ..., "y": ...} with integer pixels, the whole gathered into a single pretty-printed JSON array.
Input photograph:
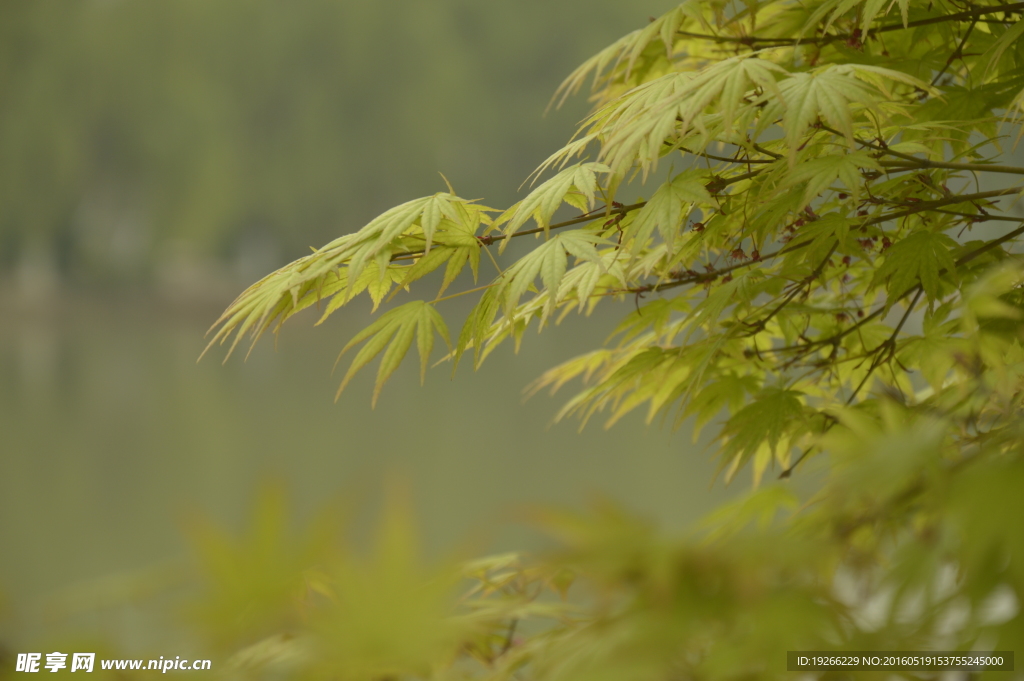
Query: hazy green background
[{"x": 158, "y": 155}]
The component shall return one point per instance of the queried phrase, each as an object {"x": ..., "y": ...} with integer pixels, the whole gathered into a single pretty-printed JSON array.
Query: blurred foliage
[
  {"x": 146, "y": 139},
  {"x": 245, "y": 601},
  {"x": 872, "y": 561},
  {"x": 324, "y": 605}
]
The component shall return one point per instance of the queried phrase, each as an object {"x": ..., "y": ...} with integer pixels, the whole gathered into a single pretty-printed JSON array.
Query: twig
[
  {"x": 509, "y": 638},
  {"x": 923, "y": 163},
  {"x": 918, "y": 208},
  {"x": 958, "y": 53},
  {"x": 964, "y": 259},
  {"x": 750, "y": 41},
  {"x": 759, "y": 325},
  {"x": 889, "y": 343}
]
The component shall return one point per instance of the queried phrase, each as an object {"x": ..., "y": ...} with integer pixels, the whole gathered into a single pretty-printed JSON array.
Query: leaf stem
[{"x": 462, "y": 293}]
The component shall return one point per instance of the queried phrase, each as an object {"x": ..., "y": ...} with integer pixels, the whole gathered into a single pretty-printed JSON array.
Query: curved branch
[
  {"x": 921, "y": 207},
  {"x": 751, "y": 41}
]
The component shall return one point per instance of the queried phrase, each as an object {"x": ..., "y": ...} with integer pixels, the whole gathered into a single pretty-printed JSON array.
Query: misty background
[{"x": 156, "y": 157}]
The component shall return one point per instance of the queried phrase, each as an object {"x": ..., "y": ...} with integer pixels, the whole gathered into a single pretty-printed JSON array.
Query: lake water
[{"x": 112, "y": 433}]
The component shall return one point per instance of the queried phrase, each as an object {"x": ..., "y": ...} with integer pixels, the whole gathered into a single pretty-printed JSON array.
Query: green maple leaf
[
  {"x": 923, "y": 257},
  {"x": 396, "y": 330},
  {"x": 766, "y": 420}
]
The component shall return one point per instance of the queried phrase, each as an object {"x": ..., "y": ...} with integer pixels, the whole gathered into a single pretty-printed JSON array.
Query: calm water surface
[{"x": 112, "y": 433}]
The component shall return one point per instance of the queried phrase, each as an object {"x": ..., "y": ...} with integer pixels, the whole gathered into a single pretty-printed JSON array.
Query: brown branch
[
  {"x": 593, "y": 215},
  {"x": 962, "y": 260},
  {"x": 714, "y": 186},
  {"x": 889, "y": 345},
  {"x": 918, "y": 208},
  {"x": 596, "y": 214},
  {"x": 988, "y": 246},
  {"x": 958, "y": 53},
  {"x": 713, "y": 157},
  {"x": 719, "y": 183},
  {"x": 750, "y": 41},
  {"x": 509, "y": 637},
  {"x": 923, "y": 163},
  {"x": 977, "y": 217},
  {"x": 758, "y": 147},
  {"x": 759, "y": 325},
  {"x": 875, "y": 363}
]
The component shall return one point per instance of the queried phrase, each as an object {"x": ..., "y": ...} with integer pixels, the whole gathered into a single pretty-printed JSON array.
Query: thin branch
[
  {"x": 803, "y": 455},
  {"x": 509, "y": 637},
  {"x": 759, "y": 325},
  {"x": 989, "y": 246},
  {"x": 487, "y": 240},
  {"x": 593, "y": 215},
  {"x": 918, "y": 208},
  {"x": 962, "y": 260},
  {"x": 758, "y": 147},
  {"x": 889, "y": 344},
  {"x": 958, "y": 16},
  {"x": 923, "y": 163},
  {"x": 713, "y": 157},
  {"x": 977, "y": 217},
  {"x": 750, "y": 41},
  {"x": 717, "y": 183},
  {"x": 875, "y": 363},
  {"x": 958, "y": 53},
  {"x": 724, "y": 181},
  {"x": 970, "y": 256}
]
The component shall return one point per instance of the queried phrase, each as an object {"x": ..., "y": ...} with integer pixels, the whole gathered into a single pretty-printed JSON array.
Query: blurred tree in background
[{"x": 158, "y": 142}]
